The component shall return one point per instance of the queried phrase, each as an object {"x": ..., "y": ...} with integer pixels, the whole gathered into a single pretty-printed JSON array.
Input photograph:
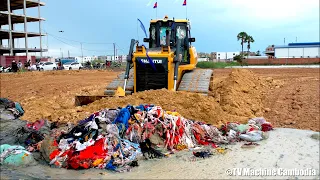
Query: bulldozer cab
[{"x": 164, "y": 32}]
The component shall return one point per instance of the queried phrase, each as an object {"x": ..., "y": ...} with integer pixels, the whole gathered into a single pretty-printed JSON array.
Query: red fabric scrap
[
  {"x": 197, "y": 136},
  {"x": 266, "y": 127},
  {"x": 55, "y": 143},
  {"x": 84, "y": 158},
  {"x": 251, "y": 129},
  {"x": 54, "y": 154}
]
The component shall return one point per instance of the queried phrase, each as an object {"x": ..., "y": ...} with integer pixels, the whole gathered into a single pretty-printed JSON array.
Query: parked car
[
  {"x": 72, "y": 66},
  {"x": 47, "y": 66}
]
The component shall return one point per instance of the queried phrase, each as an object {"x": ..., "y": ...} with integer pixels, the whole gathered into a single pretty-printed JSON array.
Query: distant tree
[
  {"x": 249, "y": 40},
  {"x": 258, "y": 53},
  {"x": 96, "y": 61},
  {"x": 239, "y": 58},
  {"x": 242, "y": 36}
]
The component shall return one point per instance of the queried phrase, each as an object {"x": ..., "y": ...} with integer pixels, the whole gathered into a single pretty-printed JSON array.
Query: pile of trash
[
  {"x": 10, "y": 110},
  {"x": 15, "y": 155},
  {"x": 19, "y": 138},
  {"x": 115, "y": 139}
]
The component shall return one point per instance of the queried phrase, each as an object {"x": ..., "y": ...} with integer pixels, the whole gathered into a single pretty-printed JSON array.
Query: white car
[
  {"x": 72, "y": 66},
  {"x": 33, "y": 67},
  {"x": 47, "y": 66}
]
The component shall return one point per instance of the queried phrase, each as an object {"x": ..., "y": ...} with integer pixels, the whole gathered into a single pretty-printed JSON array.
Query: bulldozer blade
[
  {"x": 84, "y": 100},
  {"x": 120, "y": 92}
]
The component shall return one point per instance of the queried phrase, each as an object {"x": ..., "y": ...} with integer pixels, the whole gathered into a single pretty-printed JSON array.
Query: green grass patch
[{"x": 209, "y": 64}]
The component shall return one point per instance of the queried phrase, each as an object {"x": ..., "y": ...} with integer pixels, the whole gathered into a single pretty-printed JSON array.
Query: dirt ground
[
  {"x": 295, "y": 103},
  {"x": 285, "y": 97}
]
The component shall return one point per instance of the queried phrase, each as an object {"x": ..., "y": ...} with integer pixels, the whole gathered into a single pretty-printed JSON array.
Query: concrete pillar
[
  {"x": 40, "y": 30},
  {"x": 13, "y": 42},
  {"x": 10, "y": 31},
  {"x": 0, "y": 39},
  {"x": 25, "y": 26}
]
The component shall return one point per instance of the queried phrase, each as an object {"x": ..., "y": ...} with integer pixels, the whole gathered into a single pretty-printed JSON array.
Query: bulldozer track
[{"x": 197, "y": 81}]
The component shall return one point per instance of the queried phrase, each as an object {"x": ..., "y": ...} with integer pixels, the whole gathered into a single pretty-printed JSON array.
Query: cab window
[
  {"x": 181, "y": 35},
  {"x": 152, "y": 37}
]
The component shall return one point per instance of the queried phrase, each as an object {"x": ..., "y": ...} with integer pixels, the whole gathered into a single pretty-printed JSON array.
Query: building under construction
[{"x": 9, "y": 18}]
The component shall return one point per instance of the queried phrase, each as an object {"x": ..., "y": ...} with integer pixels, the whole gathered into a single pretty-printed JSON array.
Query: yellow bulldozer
[{"x": 169, "y": 62}]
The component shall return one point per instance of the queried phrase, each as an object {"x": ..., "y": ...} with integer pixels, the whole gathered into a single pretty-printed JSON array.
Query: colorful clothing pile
[
  {"x": 10, "y": 110},
  {"x": 15, "y": 155},
  {"x": 114, "y": 139}
]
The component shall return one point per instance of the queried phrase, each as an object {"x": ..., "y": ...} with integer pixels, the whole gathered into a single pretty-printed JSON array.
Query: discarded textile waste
[
  {"x": 115, "y": 139},
  {"x": 10, "y": 110}
]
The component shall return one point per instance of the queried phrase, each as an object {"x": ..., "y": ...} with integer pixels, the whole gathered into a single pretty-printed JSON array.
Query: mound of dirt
[
  {"x": 240, "y": 95},
  {"x": 234, "y": 98}
]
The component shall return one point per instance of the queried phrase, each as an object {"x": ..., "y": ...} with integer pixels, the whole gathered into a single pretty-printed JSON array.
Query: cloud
[
  {"x": 263, "y": 13},
  {"x": 275, "y": 10}
]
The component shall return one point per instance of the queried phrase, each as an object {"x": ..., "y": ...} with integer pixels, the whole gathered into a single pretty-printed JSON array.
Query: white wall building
[
  {"x": 87, "y": 58},
  {"x": 202, "y": 59},
  {"x": 110, "y": 58},
  {"x": 298, "y": 50},
  {"x": 122, "y": 58},
  {"x": 226, "y": 55}
]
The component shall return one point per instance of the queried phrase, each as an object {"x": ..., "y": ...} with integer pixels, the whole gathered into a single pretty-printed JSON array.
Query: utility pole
[
  {"x": 68, "y": 54},
  {"x": 40, "y": 31},
  {"x": 81, "y": 52},
  {"x": 284, "y": 41},
  {"x": 296, "y": 39},
  {"x": 114, "y": 51},
  {"x": 47, "y": 44},
  {"x": 60, "y": 48}
]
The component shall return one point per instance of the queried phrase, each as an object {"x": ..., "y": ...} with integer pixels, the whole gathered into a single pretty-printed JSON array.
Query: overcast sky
[{"x": 215, "y": 23}]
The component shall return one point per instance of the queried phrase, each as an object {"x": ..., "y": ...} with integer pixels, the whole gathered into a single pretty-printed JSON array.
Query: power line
[
  {"x": 75, "y": 40},
  {"x": 78, "y": 47},
  {"x": 121, "y": 49},
  {"x": 58, "y": 38}
]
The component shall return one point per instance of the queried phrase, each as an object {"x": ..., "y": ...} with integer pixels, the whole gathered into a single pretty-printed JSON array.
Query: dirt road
[{"x": 293, "y": 102}]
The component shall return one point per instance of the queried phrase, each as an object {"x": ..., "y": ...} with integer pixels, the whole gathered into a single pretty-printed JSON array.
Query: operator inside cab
[{"x": 167, "y": 32}]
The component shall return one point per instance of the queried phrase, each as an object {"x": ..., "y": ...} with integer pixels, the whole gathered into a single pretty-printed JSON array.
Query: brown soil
[
  {"x": 286, "y": 97},
  {"x": 295, "y": 100},
  {"x": 48, "y": 94}
]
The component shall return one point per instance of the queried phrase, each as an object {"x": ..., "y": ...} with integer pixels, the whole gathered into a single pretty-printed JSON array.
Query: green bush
[{"x": 209, "y": 64}]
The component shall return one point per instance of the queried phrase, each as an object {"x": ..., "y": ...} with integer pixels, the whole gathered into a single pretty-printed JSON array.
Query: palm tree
[
  {"x": 249, "y": 39},
  {"x": 242, "y": 36}
]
